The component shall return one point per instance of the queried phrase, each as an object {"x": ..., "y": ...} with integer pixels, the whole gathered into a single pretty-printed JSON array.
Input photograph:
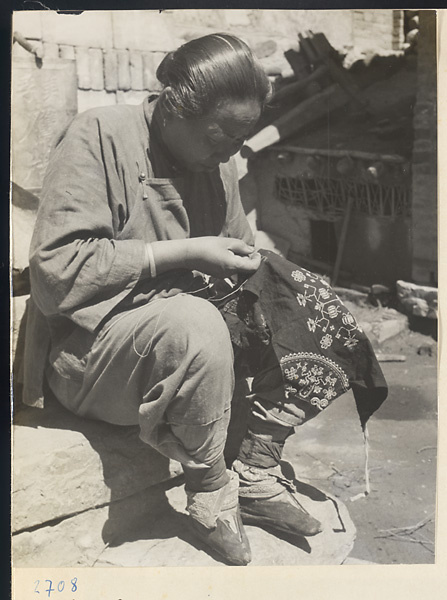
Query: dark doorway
[{"x": 323, "y": 241}]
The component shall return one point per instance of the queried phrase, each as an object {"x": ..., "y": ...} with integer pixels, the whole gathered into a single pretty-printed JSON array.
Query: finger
[
  {"x": 240, "y": 248},
  {"x": 246, "y": 264}
]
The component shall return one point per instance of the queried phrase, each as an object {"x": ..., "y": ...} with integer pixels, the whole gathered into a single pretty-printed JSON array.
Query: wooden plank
[
  {"x": 394, "y": 158},
  {"x": 306, "y": 112},
  {"x": 298, "y": 86},
  {"x": 298, "y": 62},
  {"x": 323, "y": 50}
]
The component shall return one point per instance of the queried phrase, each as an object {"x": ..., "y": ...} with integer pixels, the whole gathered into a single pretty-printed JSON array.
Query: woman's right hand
[{"x": 219, "y": 257}]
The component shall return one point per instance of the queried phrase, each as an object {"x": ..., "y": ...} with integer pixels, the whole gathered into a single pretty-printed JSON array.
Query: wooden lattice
[{"x": 327, "y": 198}]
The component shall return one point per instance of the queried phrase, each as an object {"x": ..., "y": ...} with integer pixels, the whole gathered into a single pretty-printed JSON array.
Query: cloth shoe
[
  {"x": 216, "y": 520},
  {"x": 267, "y": 498}
]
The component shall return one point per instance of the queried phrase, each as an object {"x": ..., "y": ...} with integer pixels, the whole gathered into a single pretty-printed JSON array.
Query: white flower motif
[
  {"x": 311, "y": 324},
  {"x": 319, "y": 306},
  {"x": 332, "y": 311},
  {"x": 326, "y": 341},
  {"x": 301, "y": 299},
  {"x": 298, "y": 276},
  {"x": 348, "y": 319},
  {"x": 328, "y": 394},
  {"x": 351, "y": 342}
]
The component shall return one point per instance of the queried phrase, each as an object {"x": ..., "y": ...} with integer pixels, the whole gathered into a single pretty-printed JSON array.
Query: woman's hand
[
  {"x": 216, "y": 256},
  {"x": 221, "y": 257}
]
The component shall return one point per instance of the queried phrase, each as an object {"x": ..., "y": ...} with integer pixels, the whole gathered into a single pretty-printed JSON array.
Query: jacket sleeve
[
  {"x": 236, "y": 225},
  {"x": 77, "y": 268}
]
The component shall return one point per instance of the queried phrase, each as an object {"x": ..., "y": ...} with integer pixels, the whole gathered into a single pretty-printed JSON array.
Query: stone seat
[{"x": 77, "y": 483}]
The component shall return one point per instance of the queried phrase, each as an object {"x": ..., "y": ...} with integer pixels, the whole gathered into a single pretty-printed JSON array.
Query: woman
[{"x": 139, "y": 207}]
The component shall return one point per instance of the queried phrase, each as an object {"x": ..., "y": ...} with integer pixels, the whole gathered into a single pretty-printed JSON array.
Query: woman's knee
[{"x": 195, "y": 325}]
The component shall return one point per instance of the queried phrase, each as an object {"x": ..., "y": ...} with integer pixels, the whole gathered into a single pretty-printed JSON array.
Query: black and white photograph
[{"x": 224, "y": 288}]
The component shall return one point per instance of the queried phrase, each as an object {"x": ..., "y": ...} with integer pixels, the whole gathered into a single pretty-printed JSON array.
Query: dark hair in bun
[{"x": 208, "y": 70}]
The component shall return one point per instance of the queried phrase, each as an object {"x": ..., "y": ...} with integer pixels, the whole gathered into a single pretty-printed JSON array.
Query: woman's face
[{"x": 202, "y": 144}]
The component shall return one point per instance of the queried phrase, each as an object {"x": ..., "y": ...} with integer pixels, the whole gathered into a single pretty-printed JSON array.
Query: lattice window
[{"x": 328, "y": 197}]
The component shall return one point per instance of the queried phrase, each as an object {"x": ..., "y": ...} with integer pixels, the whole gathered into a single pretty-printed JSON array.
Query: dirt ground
[{"x": 395, "y": 522}]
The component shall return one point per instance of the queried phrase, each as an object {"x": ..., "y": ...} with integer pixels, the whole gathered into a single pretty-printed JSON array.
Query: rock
[
  {"x": 80, "y": 539},
  {"x": 391, "y": 323},
  {"x": 167, "y": 541},
  {"x": 124, "y": 82},
  {"x": 136, "y": 70},
  {"x": 64, "y": 464},
  {"x": 110, "y": 70},
  {"x": 418, "y": 300},
  {"x": 67, "y": 52},
  {"x": 83, "y": 68},
  {"x": 151, "y": 528},
  {"x": 264, "y": 48},
  {"x": 427, "y": 350},
  {"x": 96, "y": 68},
  {"x": 358, "y": 298}
]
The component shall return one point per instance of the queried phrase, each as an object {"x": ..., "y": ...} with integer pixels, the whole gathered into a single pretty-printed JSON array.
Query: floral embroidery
[
  {"x": 301, "y": 299},
  {"x": 313, "y": 378},
  {"x": 320, "y": 402},
  {"x": 328, "y": 307},
  {"x": 298, "y": 276},
  {"x": 326, "y": 341},
  {"x": 312, "y": 325},
  {"x": 351, "y": 342}
]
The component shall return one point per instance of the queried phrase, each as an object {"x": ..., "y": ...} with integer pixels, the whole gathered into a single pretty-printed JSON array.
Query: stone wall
[
  {"x": 117, "y": 52},
  {"x": 424, "y": 201}
]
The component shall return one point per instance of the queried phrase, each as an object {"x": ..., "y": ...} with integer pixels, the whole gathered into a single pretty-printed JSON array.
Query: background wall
[{"x": 117, "y": 52}]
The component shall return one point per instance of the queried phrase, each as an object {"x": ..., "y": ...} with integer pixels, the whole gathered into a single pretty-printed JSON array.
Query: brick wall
[
  {"x": 424, "y": 200},
  {"x": 117, "y": 52},
  {"x": 374, "y": 29}
]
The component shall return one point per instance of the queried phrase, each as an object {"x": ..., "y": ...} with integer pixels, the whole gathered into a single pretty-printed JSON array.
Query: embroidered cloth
[{"x": 320, "y": 347}]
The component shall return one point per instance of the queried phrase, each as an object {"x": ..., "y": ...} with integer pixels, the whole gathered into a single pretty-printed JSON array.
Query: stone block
[
  {"x": 28, "y": 23},
  {"x": 168, "y": 542},
  {"x": 65, "y": 465},
  {"x": 123, "y": 70},
  {"x": 89, "y": 29},
  {"x": 143, "y": 30},
  {"x": 81, "y": 539},
  {"x": 50, "y": 50},
  {"x": 136, "y": 70},
  {"x": 67, "y": 52},
  {"x": 92, "y": 99},
  {"x": 96, "y": 69},
  {"x": 151, "y": 60},
  {"x": 391, "y": 323},
  {"x": 264, "y": 48},
  {"x": 238, "y": 17},
  {"x": 83, "y": 68},
  {"x": 418, "y": 300},
  {"x": 110, "y": 70}
]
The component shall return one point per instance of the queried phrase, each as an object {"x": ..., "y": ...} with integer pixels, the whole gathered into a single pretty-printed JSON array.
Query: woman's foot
[
  {"x": 267, "y": 498},
  {"x": 216, "y": 520}
]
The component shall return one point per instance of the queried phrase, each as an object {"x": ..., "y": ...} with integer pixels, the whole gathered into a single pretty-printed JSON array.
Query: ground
[
  {"x": 394, "y": 523},
  {"x": 402, "y": 458}
]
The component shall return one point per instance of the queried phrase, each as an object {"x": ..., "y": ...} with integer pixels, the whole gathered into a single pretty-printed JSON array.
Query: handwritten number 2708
[{"x": 59, "y": 588}]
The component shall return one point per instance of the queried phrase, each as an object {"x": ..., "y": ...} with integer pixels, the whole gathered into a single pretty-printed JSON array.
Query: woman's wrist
[{"x": 172, "y": 254}]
